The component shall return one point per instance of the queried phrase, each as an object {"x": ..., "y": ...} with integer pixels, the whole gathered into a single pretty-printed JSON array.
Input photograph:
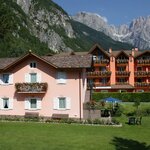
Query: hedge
[{"x": 125, "y": 97}]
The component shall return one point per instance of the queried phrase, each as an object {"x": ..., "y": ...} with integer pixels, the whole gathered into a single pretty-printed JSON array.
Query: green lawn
[{"x": 42, "y": 136}]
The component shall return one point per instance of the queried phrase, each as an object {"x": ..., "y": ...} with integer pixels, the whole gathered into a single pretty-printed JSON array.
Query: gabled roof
[
  {"x": 10, "y": 63},
  {"x": 141, "y": 53},
  {"x": 99, "y": 47},
  {"x": 121, "y": 52},
  {"x": 57, "y": 61}
]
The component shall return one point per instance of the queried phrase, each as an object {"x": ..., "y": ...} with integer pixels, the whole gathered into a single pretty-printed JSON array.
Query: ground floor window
[
  {"x": 32, "y": 103},
  {"x": 62, "y": 103},
  {"x": 6, "y": 103}
]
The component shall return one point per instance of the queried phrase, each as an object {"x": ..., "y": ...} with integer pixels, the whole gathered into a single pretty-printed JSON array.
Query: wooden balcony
[
  {"x": 142, "y": 73},
  {"x": 122, "y": 83},
  {"x": 143, "y": 62},
  {"x": 31, "y": 87},
  {"x": 142, "y": 84},
  {"x": 121, "y": 62},
  {"x": 122, "y": 73},
  {"x": 98, "y": 74},
  {"x": 99, "y": 84},
  {"x": 100, "y": 62}
]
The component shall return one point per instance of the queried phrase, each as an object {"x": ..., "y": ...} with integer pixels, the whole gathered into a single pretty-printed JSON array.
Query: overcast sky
[{"x": 116, "y": 11}]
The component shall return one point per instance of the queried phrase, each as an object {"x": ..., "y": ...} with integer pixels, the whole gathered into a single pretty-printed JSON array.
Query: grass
[{"x": 42, "y": 136}]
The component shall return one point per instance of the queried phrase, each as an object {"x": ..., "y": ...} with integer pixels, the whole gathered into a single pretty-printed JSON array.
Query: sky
[{"x": 117, "y": 12}]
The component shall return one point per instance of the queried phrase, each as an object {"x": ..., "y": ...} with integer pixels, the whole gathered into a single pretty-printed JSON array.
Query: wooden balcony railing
[
  {"x": 122, "y": 61},
  {"x": 98, "y": 84},
  {"x": 98, "y": 74},
  {"x": 101, "y": 84},
  {"x": 122, "y": 73},
  {"x": 142, "y": 84},
  {"x": 122, "y": 83},
  {"x": 143, "y": 61},
  {"x": 142, "y": 73},
  {"x": 31, "y": 87},
  {"x": 100, "y": 62}
]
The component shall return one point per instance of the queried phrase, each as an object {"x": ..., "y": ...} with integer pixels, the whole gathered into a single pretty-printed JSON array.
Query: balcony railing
[
  {"x": 101, "y": 84},
  {"x": 122, "y": 61},
  {"x": 143, "y": 61},
  {"x": 122, "y": 73},
  {"x": 98, "y": 74},
  {"x": 142, "y": 84},
  {"x": 98, "y": 84},
  {"x": 31, "y": 87},
  {"x": 142, "y": 73},
  {"x": 122, "y": 83},
  {"x": 99, "y": 62}
]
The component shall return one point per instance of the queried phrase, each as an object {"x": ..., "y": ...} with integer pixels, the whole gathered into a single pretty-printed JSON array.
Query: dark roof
[
  {"x": 128, "y": 86},
  {"x": 65, "y": 60},
  {"x": 6, "y": 61},
  {"x": 70, "y": 61},
  {"x": 117, "y": 53}
]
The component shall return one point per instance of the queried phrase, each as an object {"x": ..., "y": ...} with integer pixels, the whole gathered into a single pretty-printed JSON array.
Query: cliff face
[
  {"x": 137, "y": 33},
  {"x": 47, "y": 21}
]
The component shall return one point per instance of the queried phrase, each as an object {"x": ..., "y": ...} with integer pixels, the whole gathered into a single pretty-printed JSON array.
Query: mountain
[
  {"x": 137, "y": 33},
  {"x": 45, "y": 27}
]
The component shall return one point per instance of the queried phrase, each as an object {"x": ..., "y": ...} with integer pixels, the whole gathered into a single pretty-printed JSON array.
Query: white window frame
[
  {"x": 10, "y": 103},
  {"x": 56, "y": 103},
  {"x": 28, "y": 77},
  {"x": 28, "y": 103},
  {"x": 61, "y": 77},
  {"x": 10, "y": 80}
]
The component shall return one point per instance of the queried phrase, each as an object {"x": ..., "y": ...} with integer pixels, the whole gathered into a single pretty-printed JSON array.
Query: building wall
[{"x": 49, "y": 75}]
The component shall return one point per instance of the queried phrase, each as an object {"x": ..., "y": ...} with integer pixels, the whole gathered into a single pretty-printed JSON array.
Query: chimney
[
  {"x": 110, "y": 50},
  {"x": 133, "y": 52},
  {"x": 136, "y": 49}
]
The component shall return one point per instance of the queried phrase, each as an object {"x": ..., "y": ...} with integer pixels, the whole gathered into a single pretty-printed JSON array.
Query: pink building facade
[{"x": 44, "y": 85}]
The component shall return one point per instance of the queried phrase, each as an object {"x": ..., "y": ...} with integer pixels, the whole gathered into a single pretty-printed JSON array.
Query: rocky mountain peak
[{"x": 137, "y": 33}]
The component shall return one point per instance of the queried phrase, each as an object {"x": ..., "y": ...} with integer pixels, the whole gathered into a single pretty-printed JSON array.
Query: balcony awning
[{"x": 122, "y": 87}]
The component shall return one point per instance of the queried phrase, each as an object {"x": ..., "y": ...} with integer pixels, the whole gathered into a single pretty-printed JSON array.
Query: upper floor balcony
[
  {"x": 31, "y": 87},
  {"x": 143, "y": 62},
  {"x": 142, "y": 84},
  {"x": 98, "y": 74},
  {"x": 142, "y": 73},
  {"x": 122, "y": 61},
  {"x": 122, "y": 73},
  {"x": 100, "y": 62}
]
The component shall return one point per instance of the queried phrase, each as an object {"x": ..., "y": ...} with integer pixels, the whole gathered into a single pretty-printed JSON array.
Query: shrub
[{"x": 125, "y": 97}]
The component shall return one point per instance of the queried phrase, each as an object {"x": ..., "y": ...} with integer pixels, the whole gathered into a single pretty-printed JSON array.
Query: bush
[{"x": 125, "y": 97}]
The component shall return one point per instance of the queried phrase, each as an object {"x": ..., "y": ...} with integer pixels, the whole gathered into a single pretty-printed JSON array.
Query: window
[
  {"x": 121, "y": 68},
  {"x": 6, "y": 103},
  {"x": 6, "y": 78},
  {"x": 32, "y": 103},
  {"x": 61, "y": 77},
  {"x": 139, "y": 68},
  {"x": 33, "y": 65},
  {"x": 62, "y": 103},
  {"x": 33, "y": 77}
]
